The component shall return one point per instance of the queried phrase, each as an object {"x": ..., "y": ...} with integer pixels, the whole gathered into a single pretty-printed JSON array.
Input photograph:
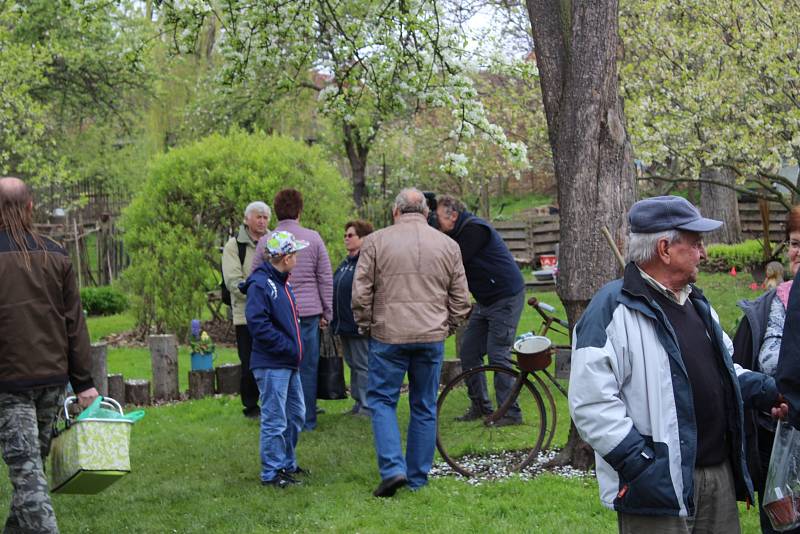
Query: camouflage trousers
[{"x": 26, "y": 429}]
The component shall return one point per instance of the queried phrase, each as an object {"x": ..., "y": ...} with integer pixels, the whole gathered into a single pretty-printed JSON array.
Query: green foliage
[
  {"x": 711, "y": 84},
  {"x": 63, "y": 66},
  {"x": 197, "y": 193},
  {"x": 103, "y": 300},
  {"x": 740, "y": 255}
]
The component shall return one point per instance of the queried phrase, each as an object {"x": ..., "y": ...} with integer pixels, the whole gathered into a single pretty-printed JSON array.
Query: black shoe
[
  {"x": 252, "y": 413},
  {"x": 474, "y": 413},
  {"x": 507, "y": 420},
  {"x": 277, "y": 482},
  {"x": 289, "y": 478},
  {"x": 297, "y": 471},
  {"x": 320, "y": 410},
  {"x": 389, "y": 487}
]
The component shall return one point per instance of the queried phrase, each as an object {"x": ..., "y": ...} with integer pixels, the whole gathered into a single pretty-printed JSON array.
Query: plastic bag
[
  {"x": 96, "y": 410},
  {"x": 782, "y": 489}
]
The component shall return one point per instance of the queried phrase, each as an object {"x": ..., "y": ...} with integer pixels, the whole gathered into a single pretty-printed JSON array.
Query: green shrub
[
  {"x": 722, "y": 257},
  {"x": 103, "y": 300},
  {"x": 193, "y": 194}
]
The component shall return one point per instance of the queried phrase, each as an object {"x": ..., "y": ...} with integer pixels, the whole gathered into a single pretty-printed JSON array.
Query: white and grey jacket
[{"x": 631, "y": 400}]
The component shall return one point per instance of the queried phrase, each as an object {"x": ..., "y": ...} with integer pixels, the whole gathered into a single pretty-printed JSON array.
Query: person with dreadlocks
[{"x": 43, "y": 344}]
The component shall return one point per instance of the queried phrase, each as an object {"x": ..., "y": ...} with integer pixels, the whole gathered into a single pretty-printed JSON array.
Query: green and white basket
[{"x": 90, "y": 454}]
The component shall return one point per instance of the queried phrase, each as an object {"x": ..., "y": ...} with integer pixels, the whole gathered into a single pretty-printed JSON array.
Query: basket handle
[{"x": 107, "y": 401}]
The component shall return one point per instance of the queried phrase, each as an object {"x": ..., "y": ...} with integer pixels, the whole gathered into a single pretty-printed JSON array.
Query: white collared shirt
[{"x": 679, "y": 297}]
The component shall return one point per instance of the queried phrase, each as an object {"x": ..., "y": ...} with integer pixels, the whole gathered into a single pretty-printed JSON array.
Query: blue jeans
[
  {"x": 387, "y": 366},
  {"x": 309, "y": 367},
  {"x": 282, "y": 413}
]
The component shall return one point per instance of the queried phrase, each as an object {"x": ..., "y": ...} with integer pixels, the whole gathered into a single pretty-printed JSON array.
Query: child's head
[{"x": 281, "y": 250}]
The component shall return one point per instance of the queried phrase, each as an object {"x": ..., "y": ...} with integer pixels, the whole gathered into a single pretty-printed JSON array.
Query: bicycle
[{"x": 463, "y": 444}]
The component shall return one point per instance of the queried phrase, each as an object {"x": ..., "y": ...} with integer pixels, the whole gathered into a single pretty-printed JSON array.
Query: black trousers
[{"x": 248, "y": 388}]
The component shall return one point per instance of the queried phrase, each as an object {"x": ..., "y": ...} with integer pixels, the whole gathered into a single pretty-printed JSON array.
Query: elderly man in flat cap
[{"x": 653, "y": 388}]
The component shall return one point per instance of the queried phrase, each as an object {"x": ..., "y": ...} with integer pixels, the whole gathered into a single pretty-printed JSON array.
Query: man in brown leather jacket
[
  {"x": 43, "y": 344},
  {"x": 409, "y": 293}
]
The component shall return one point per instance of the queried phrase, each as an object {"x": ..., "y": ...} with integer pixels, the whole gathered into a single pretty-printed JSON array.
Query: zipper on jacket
[{"x": 296, "y": 323}]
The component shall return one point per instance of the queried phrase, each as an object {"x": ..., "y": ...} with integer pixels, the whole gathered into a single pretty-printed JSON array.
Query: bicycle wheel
[{"x": 476, "y": 448}]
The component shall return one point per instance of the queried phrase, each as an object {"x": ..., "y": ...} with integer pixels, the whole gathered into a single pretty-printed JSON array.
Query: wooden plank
[
  {"x": 514, "y": 234},
  {"x": 510, "y": 225},
  {"x": 546, "y": 238},
  {"x": 546, "y": 227}
]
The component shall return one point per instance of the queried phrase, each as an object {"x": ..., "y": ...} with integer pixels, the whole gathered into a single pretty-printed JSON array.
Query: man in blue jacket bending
[
  {"x": 497, "y": 285},
  {"x": 653, "y": 388},
  {"x": 271, "y": 313}
]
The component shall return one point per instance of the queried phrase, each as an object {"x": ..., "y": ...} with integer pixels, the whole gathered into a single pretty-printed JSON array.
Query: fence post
[
  {"x": 116, "y": 388},
  {"x": 164, "y": 358},
  {"x": 99, "y": 353}
]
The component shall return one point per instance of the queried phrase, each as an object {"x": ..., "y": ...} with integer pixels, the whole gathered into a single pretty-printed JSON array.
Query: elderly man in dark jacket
[
  {"x": 43, "y": 344},
  {"x": 497, "y": 285}
]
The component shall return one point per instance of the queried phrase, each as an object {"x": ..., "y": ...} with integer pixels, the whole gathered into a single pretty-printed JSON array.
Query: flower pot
[
  {"x": 782, "y": 513},
  {"x": 202, "y": 361}
]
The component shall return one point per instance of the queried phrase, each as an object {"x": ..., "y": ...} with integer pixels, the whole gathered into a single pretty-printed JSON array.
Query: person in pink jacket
[{"x": 312, "y": 282}]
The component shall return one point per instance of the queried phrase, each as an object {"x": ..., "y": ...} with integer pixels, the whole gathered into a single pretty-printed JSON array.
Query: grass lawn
[{"x": 195, "y": 469}]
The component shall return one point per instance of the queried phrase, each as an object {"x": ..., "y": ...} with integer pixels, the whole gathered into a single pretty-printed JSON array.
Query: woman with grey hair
[{"x": 237, "y": 260}]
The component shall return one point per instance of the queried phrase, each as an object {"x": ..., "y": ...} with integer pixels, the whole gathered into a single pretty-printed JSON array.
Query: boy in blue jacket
[{"x": 271, "y": 313}]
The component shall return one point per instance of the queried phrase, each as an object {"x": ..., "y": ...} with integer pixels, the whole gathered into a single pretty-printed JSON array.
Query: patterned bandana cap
[{"x": 282, "y": 243}]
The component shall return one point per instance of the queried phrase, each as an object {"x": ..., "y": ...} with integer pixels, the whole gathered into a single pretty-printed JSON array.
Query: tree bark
[
  {"x": 719, "y": 202},
  {"x": 164, "y": 359},
  {"x": 576, "y": 52}
]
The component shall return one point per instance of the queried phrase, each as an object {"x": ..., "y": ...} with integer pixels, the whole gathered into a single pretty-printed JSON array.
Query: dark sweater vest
[
  {"x": 491, "y": 272},
  {"x": 711, "y": 391}
]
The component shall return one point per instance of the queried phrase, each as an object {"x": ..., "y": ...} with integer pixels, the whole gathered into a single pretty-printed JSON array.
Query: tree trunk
[
  {"x": 357, "y": 152},
  {"x": 164, "y": 358},
  {"x": 576, "y": 47},
  {"x": 719, "y": 202}
]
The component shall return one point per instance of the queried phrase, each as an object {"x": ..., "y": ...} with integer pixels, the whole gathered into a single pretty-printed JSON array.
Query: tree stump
[
  {"x": 229, "y": 377},
  {"x": 450, "y": 370},
  {"x": 99, "y": 353},
  {"x": 459, "y": 336},
  {"x": 201, "y": 384},
  {"x": 137, "y": 392},
  {"x": 164, "y": 358},
  {"x": 116, "y": 388}
]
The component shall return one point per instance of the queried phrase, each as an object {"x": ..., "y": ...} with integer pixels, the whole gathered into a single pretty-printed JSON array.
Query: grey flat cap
[{"x": 657, "y": 214}]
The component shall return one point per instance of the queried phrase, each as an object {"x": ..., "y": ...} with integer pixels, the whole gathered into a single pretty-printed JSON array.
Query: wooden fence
[
  {"x": 531, "y": 237},
  {"x": 527, "y": 239},
  {"x": 752, "y": 227},
  {"x": 95, "y": 247}
]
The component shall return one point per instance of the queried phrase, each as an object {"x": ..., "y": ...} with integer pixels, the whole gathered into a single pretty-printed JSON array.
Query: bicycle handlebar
[
  {"x": 546, "y": 307},
  {"x": 546, "y": 311}
]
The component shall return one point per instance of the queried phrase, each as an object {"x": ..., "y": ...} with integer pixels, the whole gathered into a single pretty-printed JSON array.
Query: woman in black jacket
[
  {"x": 355, "y": 346},
  {"x": 757, "y": 345}
]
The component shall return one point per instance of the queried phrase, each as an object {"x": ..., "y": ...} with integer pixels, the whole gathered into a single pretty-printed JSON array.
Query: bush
[
  {"x": 103, "y": 300},
  {"x": 741, "y": 255},
  {"x": 194, "y": 194}
]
